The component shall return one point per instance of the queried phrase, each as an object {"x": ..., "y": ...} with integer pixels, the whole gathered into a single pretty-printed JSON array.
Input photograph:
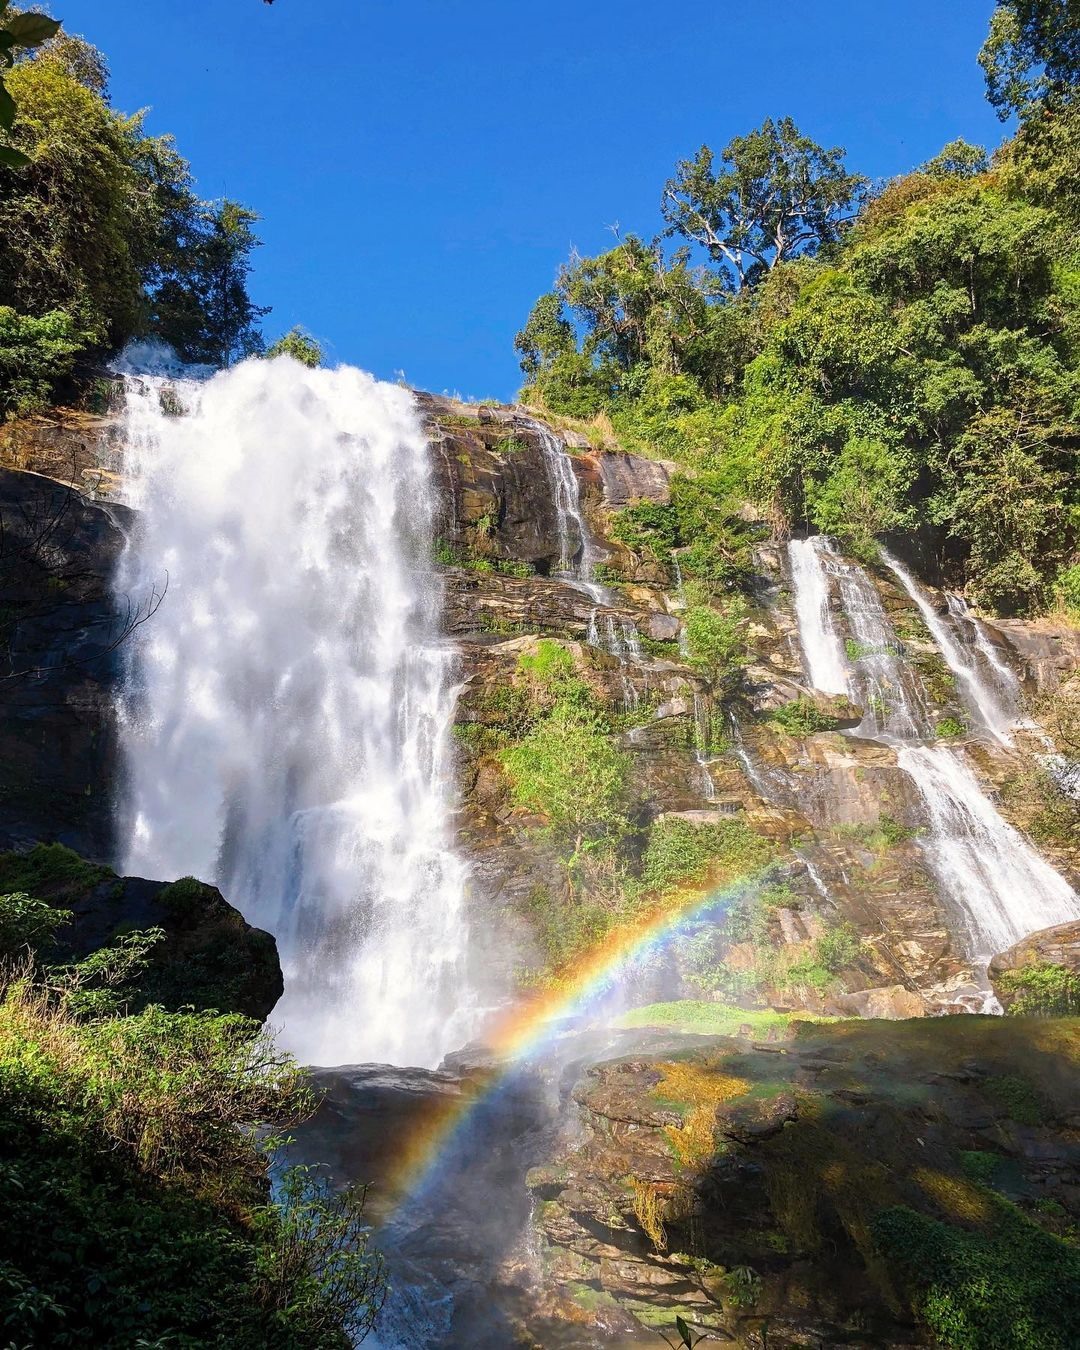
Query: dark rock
[
  {"x": 209, "y": 957},
  {"x": 59, "y": 666}
]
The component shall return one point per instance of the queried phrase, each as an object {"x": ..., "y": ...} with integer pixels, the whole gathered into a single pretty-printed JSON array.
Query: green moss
[
  {"x": 801, "y": 717},
  {"x": 50, "y": 872},
  {"x": 1017, "y": 1096},
  {"x": 714, "y": 1019},
  {"x": 1006, "y": 1285}
]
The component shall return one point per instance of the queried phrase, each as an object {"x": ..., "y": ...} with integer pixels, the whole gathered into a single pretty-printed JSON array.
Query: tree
[
  {"x": 1031, "y": 56},
  {"x": 204, "y": 310},
  {"x": 18, "y": 32},
  {"x": 567, "y": 770},
  {"x": 298, "y": 344},
  {"x": 778, "y": 195}
]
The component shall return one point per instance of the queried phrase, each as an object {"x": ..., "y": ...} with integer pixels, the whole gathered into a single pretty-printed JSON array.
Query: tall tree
[
  {"x": 775, "y": 195},
  {"x": 1031, "y": 55},
  {"x": 205, "y": 310}
]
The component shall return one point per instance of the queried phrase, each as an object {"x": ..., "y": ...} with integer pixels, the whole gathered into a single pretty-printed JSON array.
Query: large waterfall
[
  {"x": 996, "y": 885},
  {"x": 286, "y": 719}
]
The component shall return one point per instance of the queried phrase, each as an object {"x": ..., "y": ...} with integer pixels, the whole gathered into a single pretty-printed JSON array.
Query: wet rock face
[
  {"x": 754, "y": 1188},
  {"x": 58, "y": 669},
  {"x": 1046, "y": 652}
]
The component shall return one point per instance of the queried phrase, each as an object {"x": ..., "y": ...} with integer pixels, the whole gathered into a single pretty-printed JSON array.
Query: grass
[{"x": 702, "y": 1018}]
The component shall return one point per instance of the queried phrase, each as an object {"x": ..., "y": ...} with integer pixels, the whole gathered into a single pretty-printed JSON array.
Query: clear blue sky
[{"x": 422, "y": 166}]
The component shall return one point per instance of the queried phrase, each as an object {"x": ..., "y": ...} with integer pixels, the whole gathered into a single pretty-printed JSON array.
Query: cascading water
[
  {"x": 286, "y": 717},
  {"x": 998, "y": 886},
  {"x": 984, "y": 701},
  {"x": 823, "y": 651}
]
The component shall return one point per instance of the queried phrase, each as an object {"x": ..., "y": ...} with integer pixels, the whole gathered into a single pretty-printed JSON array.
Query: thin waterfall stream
[
  {"x": 995, "y": 883},
  {"x": 286, "y": 719}
]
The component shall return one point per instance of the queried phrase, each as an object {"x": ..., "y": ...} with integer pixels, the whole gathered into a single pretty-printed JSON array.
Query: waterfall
[
  {"x": 286, "y": 717},
  {"x": 997, "y": 885},
  {"x": 822, "y": 649},
  {"x": 983, "y": 700},
  {"x": 576, "y": 557}
]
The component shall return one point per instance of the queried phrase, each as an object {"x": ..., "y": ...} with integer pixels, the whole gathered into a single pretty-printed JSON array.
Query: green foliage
[
  {"x": 682, "y": 853},
  {"x": 1067, "y": 590},
  {"x": 204, "y": 309},
  {"x": 922, "y": 373},
  {"x": 716, "y": 640},
  {"x": 18, "y": 33},
  {"x": 298, "y": 344},
  {"x": 27, "y": 924},
  {"x": 567, "y": 770},
  {"x": 802, "y": 717},
  {"x": 778, "y": 195},
  {"x": 1005, "y": 1286},
  {"x": 35, "y": 354},
  {"x": 1041, "y": 989},
  {"x": 101, "y": 235},
  {"x": 50, "y": 871},
  {"x": 1031, "y": 56},
  {"x": 134, "y": 1156},
  {"x": 949, "y": 727}
]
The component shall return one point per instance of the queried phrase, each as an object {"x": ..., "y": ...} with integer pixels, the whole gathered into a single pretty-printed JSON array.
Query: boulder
[
  {"x": 892, "y": 1003},
  {"x": 209, "y": 957}
]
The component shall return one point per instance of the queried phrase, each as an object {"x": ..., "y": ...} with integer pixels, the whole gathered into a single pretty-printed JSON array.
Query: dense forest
[{"x": 851, "y": 358}]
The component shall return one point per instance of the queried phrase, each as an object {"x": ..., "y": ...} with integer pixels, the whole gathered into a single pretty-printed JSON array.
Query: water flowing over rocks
[{"x": 880, "y": 822}]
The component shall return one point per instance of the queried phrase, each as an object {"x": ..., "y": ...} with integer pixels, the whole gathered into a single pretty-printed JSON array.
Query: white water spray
[{"x": 286, "y": 716}]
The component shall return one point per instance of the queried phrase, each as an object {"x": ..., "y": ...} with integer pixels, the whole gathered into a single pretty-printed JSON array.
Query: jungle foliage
[
  {"x": 851, "y": 361},
  {"x": 103, "y": 237},
  {"x": 135, "y": 1151}
]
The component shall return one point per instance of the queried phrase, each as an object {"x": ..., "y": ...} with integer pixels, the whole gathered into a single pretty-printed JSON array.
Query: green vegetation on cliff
[
  {"x": 103, "y": 237},
  {"x": 856, "y": 362}
]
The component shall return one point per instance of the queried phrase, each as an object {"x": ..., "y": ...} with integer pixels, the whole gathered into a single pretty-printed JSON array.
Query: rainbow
[{"x": 524, "y": 1030}]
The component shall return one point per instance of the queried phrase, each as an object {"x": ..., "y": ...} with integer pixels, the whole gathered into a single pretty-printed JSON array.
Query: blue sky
[{"x": 423, "y": 166}]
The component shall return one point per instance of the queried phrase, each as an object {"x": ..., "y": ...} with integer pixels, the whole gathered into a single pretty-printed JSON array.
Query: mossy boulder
[
  {"x": 1040, "y": 975},
  {"x": 209, "y": 957},
  {"x": 858, "y": 1183}
]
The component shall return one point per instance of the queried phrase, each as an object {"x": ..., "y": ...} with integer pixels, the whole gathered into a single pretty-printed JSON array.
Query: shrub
[
  {"x": 134, "y": 1162},
  {"x": 27, "y": 924},
  {"x": 950, "y": 727},
  {"x": 716, "y": 641},
  {"x": 1006, "y": 1286},
  {"x": 567, "y": 770},
  {"x": 680, "y": 852},
  {"x": 801, "y": 717},
  {"x": 1067, "y": 590},
  {"x": 35, "y": 354},
  {"x": 298, "y": 344},
  {"x": 1041, "y": 989}
]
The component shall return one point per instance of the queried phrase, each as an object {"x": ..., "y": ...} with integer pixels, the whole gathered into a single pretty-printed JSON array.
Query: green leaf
[
  {"x": 7, "y": 108},
  {"x": 29, "y": 30},
  {"x": 14, "y": 159},
  {"x": 683, "y": 1330}
]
